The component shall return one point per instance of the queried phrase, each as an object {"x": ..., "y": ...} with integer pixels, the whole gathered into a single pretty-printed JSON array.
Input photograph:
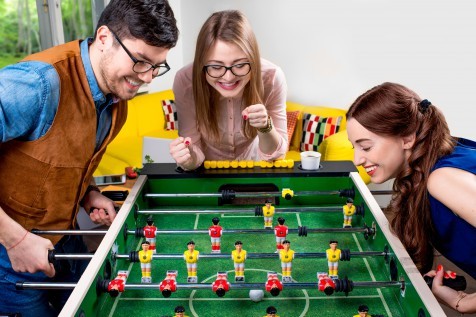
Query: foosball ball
[{"x": 223, "y": 242}]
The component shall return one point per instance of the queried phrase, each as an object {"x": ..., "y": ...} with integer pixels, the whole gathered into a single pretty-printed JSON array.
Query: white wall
[
  {"x": 174, "y": 57},
  {"x": 332, "y": 51}
]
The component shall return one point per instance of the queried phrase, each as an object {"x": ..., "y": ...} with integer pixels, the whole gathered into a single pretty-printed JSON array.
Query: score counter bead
[{"x": 248, "y": 164}]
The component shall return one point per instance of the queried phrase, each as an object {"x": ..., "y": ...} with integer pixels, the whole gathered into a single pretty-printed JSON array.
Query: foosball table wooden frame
[{"x": 333, "y": 180}]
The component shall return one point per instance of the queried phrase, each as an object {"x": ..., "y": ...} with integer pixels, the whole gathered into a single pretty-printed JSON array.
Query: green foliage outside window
[{"x": 19, "y": 28}]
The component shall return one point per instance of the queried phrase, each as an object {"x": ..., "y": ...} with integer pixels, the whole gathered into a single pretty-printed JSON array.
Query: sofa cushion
[
  {"x": 170, "y": 114},
  {"x": 317, "y": 110},
  {"x": 316, "y": 128},
  {"x": 292, "y": 117}
]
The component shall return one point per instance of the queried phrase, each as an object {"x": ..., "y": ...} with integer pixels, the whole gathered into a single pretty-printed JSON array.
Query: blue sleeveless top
[{"x": 456, "y": 238}]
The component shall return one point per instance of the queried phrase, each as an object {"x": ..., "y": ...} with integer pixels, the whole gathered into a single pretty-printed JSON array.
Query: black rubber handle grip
[
  {"x": 458, "y": 283},
  {"x": 116, "y": 195},
  {"x": 51, "y": 256}
]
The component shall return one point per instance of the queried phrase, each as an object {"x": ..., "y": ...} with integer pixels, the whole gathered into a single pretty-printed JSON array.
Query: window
[
  {"x": 29, "y": 26},
  {"x": 19, "y": 30}
]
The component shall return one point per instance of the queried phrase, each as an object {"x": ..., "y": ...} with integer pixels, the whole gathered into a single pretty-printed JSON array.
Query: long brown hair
[
  {"x": 229, "y": 26},
  {"x": 394, "y": 110}
]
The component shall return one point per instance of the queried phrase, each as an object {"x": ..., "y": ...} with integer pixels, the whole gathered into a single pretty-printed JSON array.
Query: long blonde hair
[
  {"x": 394, "y": 110},
  {"x": 229, "y": 26}
]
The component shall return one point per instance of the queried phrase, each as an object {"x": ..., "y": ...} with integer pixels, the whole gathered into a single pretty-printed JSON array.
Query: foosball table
[{"x": 171, "y": 208}]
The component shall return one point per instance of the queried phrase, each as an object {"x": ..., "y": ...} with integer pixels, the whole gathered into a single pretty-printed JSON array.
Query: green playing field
[
  {"x": 386, "y": 280},
  {"x": 305, "y": 302}
]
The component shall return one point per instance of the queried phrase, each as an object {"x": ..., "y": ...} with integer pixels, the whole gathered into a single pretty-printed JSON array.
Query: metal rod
[
  {"x": 240, "y": 210},
  {"x": 240, "y": 194},
  {"x": 259, "y": 231},
  {"x": 155, "y": 286},
  {"x": 204, "y": 231},
  {"x": 70, "y": 232},
  {"x": 255, "y": 255},
  {"x": 72, "y": 256},
  {"x": 45, "y": 285}
]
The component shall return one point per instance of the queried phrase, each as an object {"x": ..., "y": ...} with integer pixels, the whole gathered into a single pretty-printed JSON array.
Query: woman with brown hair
[
  {"x": 231, "y": 104},
  {"x": 398, "y": 135}
]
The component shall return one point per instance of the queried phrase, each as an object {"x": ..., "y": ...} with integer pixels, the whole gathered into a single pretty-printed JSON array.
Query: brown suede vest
[{"x": 43, "y": 181}]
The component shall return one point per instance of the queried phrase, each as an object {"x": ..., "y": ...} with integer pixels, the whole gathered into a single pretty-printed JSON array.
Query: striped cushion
[
  {"x": 315, "y": 129},
  {"x": 170, "y": 114}
]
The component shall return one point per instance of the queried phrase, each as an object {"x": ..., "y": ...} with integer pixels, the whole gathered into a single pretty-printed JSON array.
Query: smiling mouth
[
  {"x": 371, "y": 169},
  {"x": 133, "y": 83},
  {"x": 229, "y": 86}
]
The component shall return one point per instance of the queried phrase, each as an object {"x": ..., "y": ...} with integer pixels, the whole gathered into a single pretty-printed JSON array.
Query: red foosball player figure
[
  {"x": 273, "y": 284},
  {"x": 325, "y": 283},
  {"x": 348, "y": 211},
  {"x": 268, "y": 213},
  {"x": 333, "y": 257},
  {"x": 221, "y": 284},
  {"x": 169, "y": 284},
  {"x": 191, "y": 258},
  {"x": 286, "y": 255},
  {"x": 271, "y": 311},
  {"x": 215, "y": 234},
  {"x": 116, "y": 286},
  {"x": 179, "y": 311},
  {"x": 239, "y": 257},
  {"x": 145, "y": 258},
  {"x": 280, "y": 231},
  {"x": 150, "y": 233}
]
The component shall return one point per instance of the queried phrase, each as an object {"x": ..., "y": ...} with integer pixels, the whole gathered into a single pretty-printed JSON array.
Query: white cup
[{"x": 310, "y": 160}]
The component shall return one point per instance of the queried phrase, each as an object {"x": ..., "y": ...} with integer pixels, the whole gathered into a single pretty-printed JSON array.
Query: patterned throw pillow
[
  {"x": 170, "y": 115},
  {"x": 315, "y": 129},
  {"x": 292, "y": 117}
]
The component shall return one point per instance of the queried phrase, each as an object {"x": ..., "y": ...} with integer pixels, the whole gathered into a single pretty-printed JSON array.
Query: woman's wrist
[
  {"x": 459, "y": 298},
  {"x": 268, "y": 128}
]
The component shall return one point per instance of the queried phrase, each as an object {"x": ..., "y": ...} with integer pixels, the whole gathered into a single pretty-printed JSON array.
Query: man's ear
[
  {"x": 408, "y": 141},
  {"x": 104, "y": 37}
]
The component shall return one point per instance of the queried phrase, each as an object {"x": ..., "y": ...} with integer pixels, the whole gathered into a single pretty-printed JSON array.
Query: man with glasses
[
  {"x": 231, "y": 103},
  {"x": 59, "y": 109}
]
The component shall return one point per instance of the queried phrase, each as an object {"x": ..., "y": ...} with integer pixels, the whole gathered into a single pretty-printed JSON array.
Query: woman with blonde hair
[{"x": 231, "y": 103}]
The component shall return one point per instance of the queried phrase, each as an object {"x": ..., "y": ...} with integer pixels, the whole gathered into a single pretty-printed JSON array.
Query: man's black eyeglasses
[
  {"x": 217, "y": 71},
  {"x": 141, "y": 67}
]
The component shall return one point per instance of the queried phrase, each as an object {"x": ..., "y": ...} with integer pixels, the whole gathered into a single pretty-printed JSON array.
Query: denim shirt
[{"x": 29, "y": 98}]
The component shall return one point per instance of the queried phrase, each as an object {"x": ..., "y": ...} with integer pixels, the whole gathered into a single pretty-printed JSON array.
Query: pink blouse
[{"x": 233, "y": 145}]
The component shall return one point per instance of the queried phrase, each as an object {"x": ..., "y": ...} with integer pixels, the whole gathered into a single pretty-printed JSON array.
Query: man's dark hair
[{"x": 152, "y": 21}]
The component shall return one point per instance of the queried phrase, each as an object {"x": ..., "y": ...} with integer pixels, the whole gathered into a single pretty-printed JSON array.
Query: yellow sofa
[{"x": 146, "y": 118}]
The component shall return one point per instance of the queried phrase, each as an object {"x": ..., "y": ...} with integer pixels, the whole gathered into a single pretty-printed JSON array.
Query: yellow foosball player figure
[
  {"x": 268, "y": 213},
  {"x": 145, "y": 258},
  {"x": 286, "y": 255},
  {"x": 348, "y": 211},
  {"x": 271, "y": 311},
  {"x": 239, "y": 257},
  {"x": 180, "y": 311},
  {"x": 363, "y": 311},
  {"x": 333, "y": 257},
  {"x": 191, "y": 258}
]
